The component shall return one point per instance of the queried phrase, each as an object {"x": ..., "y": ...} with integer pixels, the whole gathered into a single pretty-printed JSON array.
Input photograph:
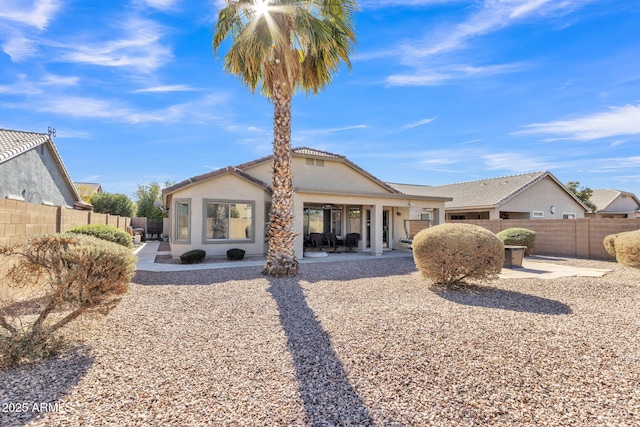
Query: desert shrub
[
  {"x": 609, "y": 244},
  {"x": 626, "y": 248},
  {"x": 235, "y": 254},
  {"x": 105, "y": 232},
  {"x": 65, "y": 276},
  {"x": 518, "y": 237},
  {"x": 193, "y": 256},
  {"x": 448, "y": 254}
]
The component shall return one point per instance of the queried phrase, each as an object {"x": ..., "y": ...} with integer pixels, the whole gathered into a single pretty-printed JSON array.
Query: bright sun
[{"x": 261, "y": 7}]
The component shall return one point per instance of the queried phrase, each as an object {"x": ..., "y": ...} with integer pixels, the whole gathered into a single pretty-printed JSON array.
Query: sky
[{"x": 439, "y": 92}]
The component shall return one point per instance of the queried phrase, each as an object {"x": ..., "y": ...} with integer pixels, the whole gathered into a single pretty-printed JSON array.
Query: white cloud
[
  {"x": 161, "y": 4},
  {"x": 441, "y": 75},
  {"x": 19, "y": 48},
  {"x": 166, "y": 88},
  {"x": 618, "y": 121},
  {"x": 198, "y": 111},
  {"x": 518, "y": 162},
  {"x": 139, "y": 48},
  {"x": 492, "y": 16},
  {"x": 34, "y": 14},
  {"x": 26, "y": 86},
  {"x": 418, "y": 123}
]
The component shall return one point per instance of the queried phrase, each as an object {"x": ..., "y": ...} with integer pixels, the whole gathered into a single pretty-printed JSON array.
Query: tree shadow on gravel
[
  {"x": 328, "y": 396},
  {"x": 30, "y": 390},
  {"x": 490, "y": 297}
]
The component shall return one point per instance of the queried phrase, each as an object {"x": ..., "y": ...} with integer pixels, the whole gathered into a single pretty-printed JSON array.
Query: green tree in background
[
  {"x": 113, "y": 204},
  {"x": 146, "y": 197},
  {"x": 583, "y": 193}
]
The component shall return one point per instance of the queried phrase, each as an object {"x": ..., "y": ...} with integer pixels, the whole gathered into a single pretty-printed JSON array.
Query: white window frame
[
  {"x": 537, "y": 214},
  {"x": 566, "y": 215},
  {"x": 186, "y": 202},
  {"x": 252, "y": 237}
]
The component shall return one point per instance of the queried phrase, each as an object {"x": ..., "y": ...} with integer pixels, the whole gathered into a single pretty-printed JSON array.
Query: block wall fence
[
  {"x": 578, "y": 238},
  {"x": 19, "y": 220}
]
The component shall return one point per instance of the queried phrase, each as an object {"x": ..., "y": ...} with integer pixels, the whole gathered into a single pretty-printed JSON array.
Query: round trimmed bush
[
  {"x": 518, "y": 237},
  {"x": 105, "y": 232},
  {"x": 609, "y": 244},
  {"x": 449, "y": 253},
  {"x": 625, "y": 247},
  {"x": 235, "y": 254},
  {"x": 193, "y": 256}
]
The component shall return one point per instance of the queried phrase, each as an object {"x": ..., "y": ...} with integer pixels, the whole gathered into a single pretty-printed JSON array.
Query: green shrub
[
  {"x": 518, "y": 237},
  {"x": 105, "y": 232},
  {"x": 625, "y": 247},
  {"x": 193, "y": 256},
  {"x": 64, "y": 276},
  {"x": 448, "y": 254},
  {"x": 235, "y": 254}
]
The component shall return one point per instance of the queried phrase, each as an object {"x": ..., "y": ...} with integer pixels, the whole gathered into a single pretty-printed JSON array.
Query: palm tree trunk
[{"x": 281, "y": 258}]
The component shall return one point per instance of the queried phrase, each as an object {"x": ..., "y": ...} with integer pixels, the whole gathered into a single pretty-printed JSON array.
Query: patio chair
[
  {"x": 333, "y": 240},
  {"x": 351, "y": 241},
  {"x": 316, "y": 240}
]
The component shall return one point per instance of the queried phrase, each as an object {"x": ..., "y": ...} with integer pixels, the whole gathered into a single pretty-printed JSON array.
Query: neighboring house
[
  {"x": 32, "y": 171},
  {"x": 87, "y": 189},
  {"x": 615, "y": 204},
  {"x": 229, "y": 208},
  {"x": 527, "y": 196}
]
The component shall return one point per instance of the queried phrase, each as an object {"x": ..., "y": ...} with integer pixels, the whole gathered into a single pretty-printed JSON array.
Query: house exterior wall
[
  {"x": 229, "y": 188},
  {"x": 37, "y": 174},
  {"x": 540, "y": 197},
  {"x": 623, "y": 206},
  {"x": 331, "y": 176}
]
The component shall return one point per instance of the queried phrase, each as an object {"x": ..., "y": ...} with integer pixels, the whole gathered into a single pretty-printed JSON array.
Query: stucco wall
[
  {"x": 540, "y": 197},
  {"x": 38, "y": 176},
  {"x": 227, "y": 187},
  {"x": 623, "y": 204},
  {"x": 332, "y": 176}
]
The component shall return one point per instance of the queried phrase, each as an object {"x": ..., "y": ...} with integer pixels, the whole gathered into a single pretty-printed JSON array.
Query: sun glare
[{"x": 261, "y": 7}]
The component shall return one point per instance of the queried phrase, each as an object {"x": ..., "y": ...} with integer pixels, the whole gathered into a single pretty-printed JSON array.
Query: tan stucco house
[
  {"x": 538, "y": 195},
  {"x": 615, "y": 204},
  {"x": 229, "y": 208}
]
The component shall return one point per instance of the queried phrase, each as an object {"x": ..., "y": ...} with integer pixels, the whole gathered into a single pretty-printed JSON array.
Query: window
[
  {"x": 228, "y": 220},
  {"x": 537, "y": 214},
  {"x": 568, "y": 215},
  {"x": 183, "y": 221},
  {"x": 459, "y": 217},
  {"x": 425, "y": 216}
]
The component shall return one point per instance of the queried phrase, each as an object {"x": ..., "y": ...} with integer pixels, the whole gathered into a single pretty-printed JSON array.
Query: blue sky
[{"x": 441, "y": 91}]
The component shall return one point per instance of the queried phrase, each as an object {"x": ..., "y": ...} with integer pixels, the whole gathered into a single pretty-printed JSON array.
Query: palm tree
[{"x": 284, "y": 46}]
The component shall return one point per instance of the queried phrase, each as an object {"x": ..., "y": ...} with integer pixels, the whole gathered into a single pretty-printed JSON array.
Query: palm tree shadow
[
  {"x": 490, "y": 297},
  {"x": 328, "y": 396}
]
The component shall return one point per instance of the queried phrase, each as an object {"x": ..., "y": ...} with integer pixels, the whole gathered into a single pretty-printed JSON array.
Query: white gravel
[{"x": 347, "y": 343}]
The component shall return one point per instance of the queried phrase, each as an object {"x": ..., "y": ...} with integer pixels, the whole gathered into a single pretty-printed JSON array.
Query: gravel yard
[{"x": 363, "y": 342}]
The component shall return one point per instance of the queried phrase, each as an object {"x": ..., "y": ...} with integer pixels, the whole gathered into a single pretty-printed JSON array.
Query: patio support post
[
  {"x": 376, "y": 230},
  {"x": 298, "y": 225}
]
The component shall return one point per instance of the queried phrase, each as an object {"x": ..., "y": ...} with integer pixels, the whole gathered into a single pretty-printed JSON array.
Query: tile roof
[
  {"x": 13, "y": 142},
  {"x": 485, "y": 192},
  {"x": 604, "y": 197}
]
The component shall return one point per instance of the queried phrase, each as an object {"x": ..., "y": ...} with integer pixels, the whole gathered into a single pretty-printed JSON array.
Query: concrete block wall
[
  {"x": 579, "y": 238},
  {"x": 19, "y": 220}
]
